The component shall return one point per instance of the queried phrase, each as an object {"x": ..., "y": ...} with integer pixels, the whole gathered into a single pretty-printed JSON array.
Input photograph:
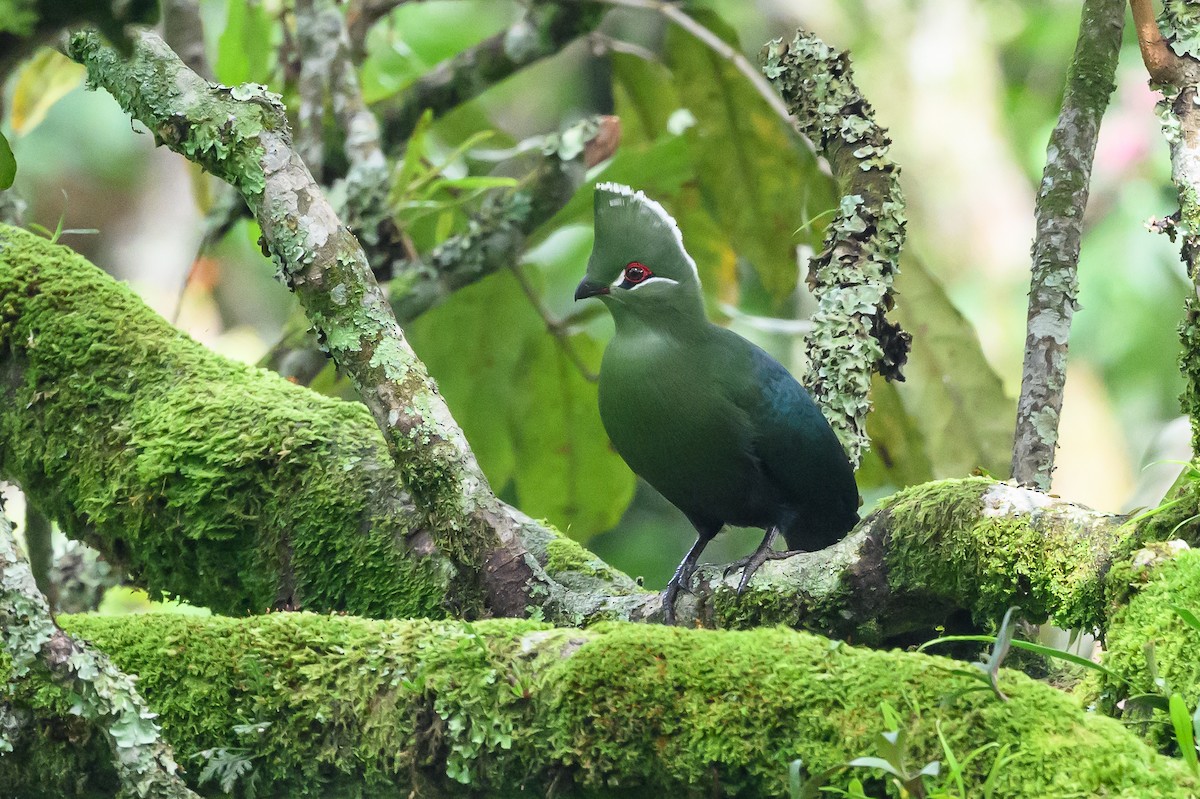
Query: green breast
[{"x": 665, "y": 406}]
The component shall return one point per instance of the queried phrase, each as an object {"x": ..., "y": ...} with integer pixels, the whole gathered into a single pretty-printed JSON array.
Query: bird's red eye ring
[{"x": 636, "y": 272}]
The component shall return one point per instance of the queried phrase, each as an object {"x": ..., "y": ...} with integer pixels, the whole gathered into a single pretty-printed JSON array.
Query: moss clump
[
  {"x": 567, "y": 555},
  {"x": 1148, "y": 626},
  {"x": 208, "y": 479},
  {"x": 976, "y": 552},
  {"x": 664, "y": 711}
]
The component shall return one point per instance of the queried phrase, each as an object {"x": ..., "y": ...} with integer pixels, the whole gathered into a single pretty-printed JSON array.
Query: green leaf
[
  {"x": 1188, "y": 616},
  {"x": 244, "y": 49},
  {"x": 1028, "y": 646},
  {"x": 8, "y": 164},
  {"x": 759, "y": 180},
  {"x": 43, "y": 81},
  {"x": 643, "y": 97},
  {"x": 951, "y": 392},
  {"x": 1181, "y": 721},
  {"x": 567, "y": 470},
  {"x": 897, "y": 456},
  {"x": 476, "y": 363},
  {"x": 876, "y": 762}
]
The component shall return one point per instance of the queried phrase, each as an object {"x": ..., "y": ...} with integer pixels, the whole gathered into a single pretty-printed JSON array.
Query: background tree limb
[{"x": 1061, "y": 203}]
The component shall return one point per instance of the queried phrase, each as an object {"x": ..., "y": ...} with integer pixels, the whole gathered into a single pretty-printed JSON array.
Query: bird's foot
[
  {"x": 682, "y": 576},
  {"x": 750, "y": 564}
]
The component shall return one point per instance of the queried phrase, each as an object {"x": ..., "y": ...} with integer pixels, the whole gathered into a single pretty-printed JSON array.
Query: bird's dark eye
[{"x": 635, "y": 272}]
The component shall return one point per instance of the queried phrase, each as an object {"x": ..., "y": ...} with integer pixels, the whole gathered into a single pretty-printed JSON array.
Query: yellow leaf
[{"x": 43, "y": 81}]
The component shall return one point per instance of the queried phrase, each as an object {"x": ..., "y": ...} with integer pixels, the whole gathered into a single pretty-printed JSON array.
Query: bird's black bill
[{"x": 590, "y": 288}]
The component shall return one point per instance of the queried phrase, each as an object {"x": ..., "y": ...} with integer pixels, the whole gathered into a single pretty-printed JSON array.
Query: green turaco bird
[{"x": 711, "y": 421}]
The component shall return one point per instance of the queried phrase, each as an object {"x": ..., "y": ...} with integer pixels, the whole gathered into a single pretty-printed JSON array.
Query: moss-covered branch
[
  {"x": 1061, "y": 202},
  {"x": 241, "y": 491},
  {"x": 332, "y": 706},
  {"x": 228, "y": 485},
  {"x": 852, "y": 276},
  {"x": 36, "y": 650},
  {"x": 205, "y": 478}
]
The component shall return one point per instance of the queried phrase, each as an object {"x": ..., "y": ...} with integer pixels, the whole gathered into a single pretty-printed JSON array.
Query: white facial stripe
[
  {"x": 657, "y": 210},
  {"x": 654, "y": 279}
]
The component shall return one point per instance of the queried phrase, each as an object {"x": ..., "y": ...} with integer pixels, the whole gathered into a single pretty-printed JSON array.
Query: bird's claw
[{"x": 751, "y": 563}]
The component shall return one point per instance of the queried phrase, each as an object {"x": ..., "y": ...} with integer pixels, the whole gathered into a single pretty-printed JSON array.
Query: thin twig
[
  {"x": 1060, "y": 207},
  {"x": 554, "y": 327},
  {"x": 545, "y": 29}
]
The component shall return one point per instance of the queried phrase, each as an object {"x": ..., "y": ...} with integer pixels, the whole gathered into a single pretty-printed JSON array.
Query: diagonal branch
[
  {"x": 546, "y": 29},
  {"x": 1061, "y": 202},
  {"x": 103, "y": 695}
]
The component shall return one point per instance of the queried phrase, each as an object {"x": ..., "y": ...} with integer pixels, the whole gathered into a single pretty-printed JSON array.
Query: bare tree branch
[
  {"x": 546, "y": 28},
  {"x": 1061, "y": 202}
]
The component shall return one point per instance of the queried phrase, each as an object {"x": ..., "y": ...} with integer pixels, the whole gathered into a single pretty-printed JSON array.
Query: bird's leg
[
  {"x": 761, "y": 555},
  {"x": 682, "y": 576}
]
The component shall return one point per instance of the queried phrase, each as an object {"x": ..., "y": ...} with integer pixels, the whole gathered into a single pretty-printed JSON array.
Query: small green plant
[
  {"x": 930, "y": 781},
  {"x": 59, "y": 230},
  {"x": 232, "y": 766},
  {"x": 432, "y": 185}
]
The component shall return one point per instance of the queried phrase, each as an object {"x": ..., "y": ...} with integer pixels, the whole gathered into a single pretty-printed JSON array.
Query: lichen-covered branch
[
  {"x": 97, "y": 692},
  {"x": 1171, "y": 61},
  {"x": 241, "y": 135},
  {"x": 505, "y": 708},
  {"x": 545, "y": 29},
  {"x": 852, "y": 275},
  {"x": 495, "y": 237},
  {"x": 1061, "y": 202}
]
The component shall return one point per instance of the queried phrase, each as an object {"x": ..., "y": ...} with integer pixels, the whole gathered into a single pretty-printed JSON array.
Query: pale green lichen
[
  {"x": 852, "y": 275},
  {"x": 178, "y": 108}
]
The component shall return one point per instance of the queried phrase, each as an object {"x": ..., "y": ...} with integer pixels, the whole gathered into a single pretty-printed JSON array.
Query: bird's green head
[{"x": 638, "y": 262}]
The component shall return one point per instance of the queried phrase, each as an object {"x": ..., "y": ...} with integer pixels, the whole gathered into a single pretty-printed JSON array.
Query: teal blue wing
[{"x": 800, "y": 454}]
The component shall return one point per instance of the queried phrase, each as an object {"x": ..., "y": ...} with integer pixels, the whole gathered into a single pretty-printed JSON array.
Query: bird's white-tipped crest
[{"x": 622, "y": 191}]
